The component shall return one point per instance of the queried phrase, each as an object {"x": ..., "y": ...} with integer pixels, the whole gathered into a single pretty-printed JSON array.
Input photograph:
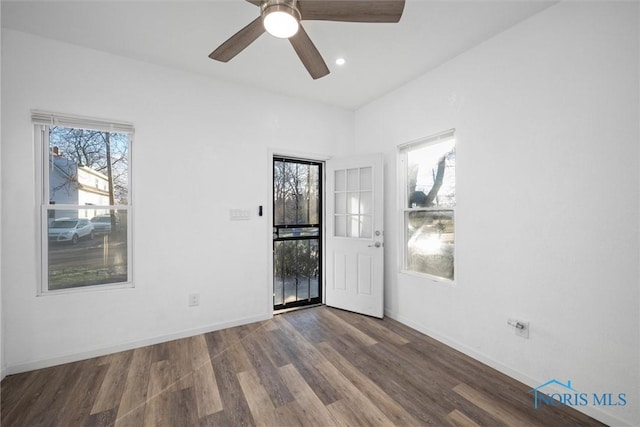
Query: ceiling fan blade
[
  {"x": 308, "y": 54},
  {"x": 256, "y": 2},
  {"x": 239, "y": 41},
  {"x": 351, "y": 10}
]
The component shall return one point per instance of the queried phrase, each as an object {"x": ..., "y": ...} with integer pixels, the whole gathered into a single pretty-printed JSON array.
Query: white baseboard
[
  {"x": 102, "y": 351},
  {"x": 592, "y": 411}
]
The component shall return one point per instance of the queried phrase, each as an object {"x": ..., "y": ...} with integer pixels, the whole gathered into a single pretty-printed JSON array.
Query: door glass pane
[
  {"x": 296, "y": 270},
  {"x": 314, "y": 271},
  {"x": 290, "y": 213},
  {"x": 296, "y": 200},
  {"x": 86, "y": 247},
  {"x": 353, "y": 203},
  {"x": 366, "y": 227},
  {"x": 353, "y": 226},
  {"x": 279, "y": 188},
  {"x": 352, "y": 180},
  {"x": 340, "y": 226},
  {"x": 341, "y": 180},
  {"x": 302, "y": 268},
  {"x": 366, "y": 202},
  {"x": 341, "y": 203},
  {"x": 301, "y": 195},
  {"x": 286, "y": 251},
  {"x": 290, "y": 287},
  {"x": 278, "y": 274},
  {"x": 296, "y": 193},
  {"x": 366, "y": 179},
  {"x": 314, "y": 194}
]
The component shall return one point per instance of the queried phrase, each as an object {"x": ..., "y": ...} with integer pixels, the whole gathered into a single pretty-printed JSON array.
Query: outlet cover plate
[{"x": 194, "y": 300}]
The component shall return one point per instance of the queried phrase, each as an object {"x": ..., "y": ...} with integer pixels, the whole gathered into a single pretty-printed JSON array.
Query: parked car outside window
[
  {"x": 70, "y": 230},
  {"x": 102, "y": 223}
]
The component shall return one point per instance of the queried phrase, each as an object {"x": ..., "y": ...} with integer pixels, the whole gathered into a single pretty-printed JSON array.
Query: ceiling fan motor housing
[
  {"x": 281, "y": 20},
  {"x": 271, "y": 6}
]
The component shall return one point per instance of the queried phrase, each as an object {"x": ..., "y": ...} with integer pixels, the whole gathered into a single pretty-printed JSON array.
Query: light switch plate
[{"x": 239, "y": 214}]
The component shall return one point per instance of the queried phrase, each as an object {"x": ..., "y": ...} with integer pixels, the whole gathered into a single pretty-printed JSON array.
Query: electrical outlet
[
  {"x": 194, "y": 300},
  {"x": 521, "y": 327}
]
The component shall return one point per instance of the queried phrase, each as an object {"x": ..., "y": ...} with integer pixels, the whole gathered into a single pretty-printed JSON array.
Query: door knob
[{"x": 376, "y": 244}]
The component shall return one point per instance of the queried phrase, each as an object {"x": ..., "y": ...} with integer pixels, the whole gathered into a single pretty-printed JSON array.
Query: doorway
[{"x": 297, "y": 233}]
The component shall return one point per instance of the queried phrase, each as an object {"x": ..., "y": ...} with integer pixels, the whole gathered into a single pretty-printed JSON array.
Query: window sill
[
  {"x": 431, "y": 278},
  {"x": 84, "y": 289}
]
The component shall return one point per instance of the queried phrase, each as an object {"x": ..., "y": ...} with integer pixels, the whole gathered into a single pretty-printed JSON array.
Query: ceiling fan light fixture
[{"x": 281, "y": 20}]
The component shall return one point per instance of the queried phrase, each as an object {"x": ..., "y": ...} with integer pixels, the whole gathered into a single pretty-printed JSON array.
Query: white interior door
[{"x": 354, "y": 237}]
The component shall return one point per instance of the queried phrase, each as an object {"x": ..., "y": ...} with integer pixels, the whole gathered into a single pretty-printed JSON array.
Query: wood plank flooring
[{"x": 314, "y": 367}]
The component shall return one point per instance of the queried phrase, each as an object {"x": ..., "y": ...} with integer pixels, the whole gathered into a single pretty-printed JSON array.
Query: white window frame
[
  {"x": 403, "y": 204},
  {"x": 41, "y": 121}
]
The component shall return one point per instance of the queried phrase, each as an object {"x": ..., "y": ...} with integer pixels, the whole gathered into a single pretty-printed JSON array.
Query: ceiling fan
[{"x": 281, "y": 18}]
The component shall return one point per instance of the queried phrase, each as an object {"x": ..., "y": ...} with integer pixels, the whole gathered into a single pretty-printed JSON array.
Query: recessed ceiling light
[{"x": 340, "y": 61}]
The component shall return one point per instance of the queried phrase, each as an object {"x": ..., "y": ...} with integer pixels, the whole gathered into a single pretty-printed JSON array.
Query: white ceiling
[{"x": 181, "y": 34}]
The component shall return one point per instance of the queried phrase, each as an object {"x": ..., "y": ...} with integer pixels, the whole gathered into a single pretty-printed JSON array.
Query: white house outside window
[
  {"x": 86, "y": 201},
  {"x": 429, "y": 201}
]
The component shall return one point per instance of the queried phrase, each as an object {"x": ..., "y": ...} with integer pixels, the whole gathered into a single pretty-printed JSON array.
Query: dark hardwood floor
[{"x": 314, "y": 367}]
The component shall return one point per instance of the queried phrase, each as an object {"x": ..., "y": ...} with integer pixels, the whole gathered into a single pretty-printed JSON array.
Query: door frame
[{"x": 267, "y": 209}]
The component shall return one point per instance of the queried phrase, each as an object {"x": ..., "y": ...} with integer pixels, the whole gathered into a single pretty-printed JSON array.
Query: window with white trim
[
  {"x": 85, "y": 192},
  {"x": 429, "y": 200}
]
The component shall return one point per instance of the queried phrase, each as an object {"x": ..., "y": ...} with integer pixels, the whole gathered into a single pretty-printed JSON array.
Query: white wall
[
  {"x": 201, "y": 148},
  {"x": 548, "y": 192}
]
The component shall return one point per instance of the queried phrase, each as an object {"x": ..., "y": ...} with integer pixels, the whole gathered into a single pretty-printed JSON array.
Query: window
[
  {"x": 85, "y": 201},
  {"x": 429, "y": 201}
]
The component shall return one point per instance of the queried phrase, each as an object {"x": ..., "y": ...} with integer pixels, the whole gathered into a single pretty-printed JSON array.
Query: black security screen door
[{"x": 297, "y": 233}]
